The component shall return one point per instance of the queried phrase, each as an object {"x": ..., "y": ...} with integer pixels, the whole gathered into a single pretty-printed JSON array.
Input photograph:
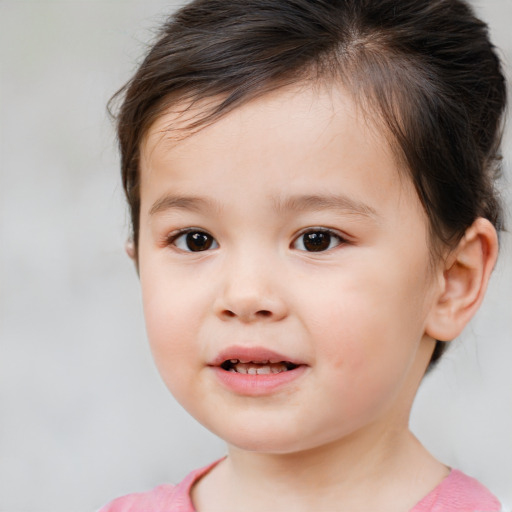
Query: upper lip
[{"x": 252, "y": 354}]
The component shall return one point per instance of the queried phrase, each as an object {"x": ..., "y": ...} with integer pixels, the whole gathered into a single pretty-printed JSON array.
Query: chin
[
  {"x": 268, "y": 440},
  {"x": 266, "y": 446}
]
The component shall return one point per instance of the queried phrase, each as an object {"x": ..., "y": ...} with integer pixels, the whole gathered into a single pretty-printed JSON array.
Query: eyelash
[{"x": 322, "y": 243}]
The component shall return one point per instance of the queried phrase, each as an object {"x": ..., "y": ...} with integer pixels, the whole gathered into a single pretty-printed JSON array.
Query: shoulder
[
  {"x": 459, "y": 493},
  {"x": 161, "y": 498},
  {"x": 156, "y": 500}
]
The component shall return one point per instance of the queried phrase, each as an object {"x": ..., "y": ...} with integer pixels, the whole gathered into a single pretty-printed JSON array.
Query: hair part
[{"x": 425, "y": 71}]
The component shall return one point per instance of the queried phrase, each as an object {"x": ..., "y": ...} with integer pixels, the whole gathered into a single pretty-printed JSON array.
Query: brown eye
[
  {"x": 317, "y": 241},
  {"x": 195, "y": 241}
]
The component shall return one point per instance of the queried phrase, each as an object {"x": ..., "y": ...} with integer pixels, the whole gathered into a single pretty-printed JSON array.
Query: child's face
[{"x": 302, "y": 244}]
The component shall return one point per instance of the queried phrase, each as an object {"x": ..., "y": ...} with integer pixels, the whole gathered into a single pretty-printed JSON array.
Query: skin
[{"x": 360, "y": 315}]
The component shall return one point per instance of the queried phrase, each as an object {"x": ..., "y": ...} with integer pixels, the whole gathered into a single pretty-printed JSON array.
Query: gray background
[{"x": 83, "y": 414}]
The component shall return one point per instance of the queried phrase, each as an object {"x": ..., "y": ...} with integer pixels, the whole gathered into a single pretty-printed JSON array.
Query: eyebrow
[
  {"x": 324, "y": 202},
  {"x": 182, "y": 203}
]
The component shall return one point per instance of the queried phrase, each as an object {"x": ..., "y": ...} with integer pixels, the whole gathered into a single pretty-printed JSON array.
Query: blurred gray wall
[{"x": 83, "y": 414}]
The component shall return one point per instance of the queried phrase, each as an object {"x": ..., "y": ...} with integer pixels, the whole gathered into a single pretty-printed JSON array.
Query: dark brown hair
[{"x": 424, "y": 68}]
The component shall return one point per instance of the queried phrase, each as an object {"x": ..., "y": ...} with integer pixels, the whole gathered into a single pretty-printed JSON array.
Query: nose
[{"x": 250, "y": 292}]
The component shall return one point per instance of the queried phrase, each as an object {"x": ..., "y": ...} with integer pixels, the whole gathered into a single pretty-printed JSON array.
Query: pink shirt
[{"x": 456, "y": 493}]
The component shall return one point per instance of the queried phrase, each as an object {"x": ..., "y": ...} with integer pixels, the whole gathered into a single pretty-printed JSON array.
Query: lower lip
[{"x": 257, "y": 385}]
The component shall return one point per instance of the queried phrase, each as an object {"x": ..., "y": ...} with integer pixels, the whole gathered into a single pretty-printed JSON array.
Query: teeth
[{"x": 259, "y": 369}]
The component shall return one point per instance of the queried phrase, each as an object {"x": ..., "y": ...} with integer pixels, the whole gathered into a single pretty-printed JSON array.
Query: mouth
[
  {"x": 257, "y": 367},
  {"x": 256, "y": 371}
]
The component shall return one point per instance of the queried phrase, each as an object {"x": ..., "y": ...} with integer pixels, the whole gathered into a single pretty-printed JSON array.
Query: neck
[{"x": 335, "y": 476}]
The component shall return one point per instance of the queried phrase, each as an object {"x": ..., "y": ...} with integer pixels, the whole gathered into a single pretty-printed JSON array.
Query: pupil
[
  {"x": 317, "y": 241},
  {"x": 198, "y": 241}
]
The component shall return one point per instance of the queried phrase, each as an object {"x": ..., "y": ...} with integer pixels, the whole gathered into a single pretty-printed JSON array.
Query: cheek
[
  {"x": 169, "y": 326},
  {"x": 369, "y": 325}
]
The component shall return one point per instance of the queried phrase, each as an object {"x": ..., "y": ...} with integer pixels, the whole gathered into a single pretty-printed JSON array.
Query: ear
[
  {"x": 464, "y": 276},
  {"x": 132, "y": 253},
  {"x": 130, "y": 248}
]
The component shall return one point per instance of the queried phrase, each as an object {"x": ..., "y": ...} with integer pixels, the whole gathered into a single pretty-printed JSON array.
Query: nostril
[{"x": 262, "y": 313}]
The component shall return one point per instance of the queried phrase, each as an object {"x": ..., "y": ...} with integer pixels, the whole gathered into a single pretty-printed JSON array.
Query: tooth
[
  {"x": 233, "y": 361},
  {"x": 278, "y": 368},
  {"x": 264, "y": 370},
  {"x": 240, "y": 368},
  {"x": 252, "y": 370},
  {"x": 232, "y": 370}
]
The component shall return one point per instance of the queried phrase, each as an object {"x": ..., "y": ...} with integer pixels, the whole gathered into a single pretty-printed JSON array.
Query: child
[{"x": 311, "y": 186}]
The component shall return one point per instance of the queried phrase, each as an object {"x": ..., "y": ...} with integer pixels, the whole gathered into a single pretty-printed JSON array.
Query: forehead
[
  {"x": 291, "y": 138},
  {"x": 286, "y": 109}
]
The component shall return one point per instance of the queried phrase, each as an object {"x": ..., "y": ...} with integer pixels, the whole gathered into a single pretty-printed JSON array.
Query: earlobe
[
  {"x": 464, "y": 279},
  {"x": 130, "y": 249}
]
